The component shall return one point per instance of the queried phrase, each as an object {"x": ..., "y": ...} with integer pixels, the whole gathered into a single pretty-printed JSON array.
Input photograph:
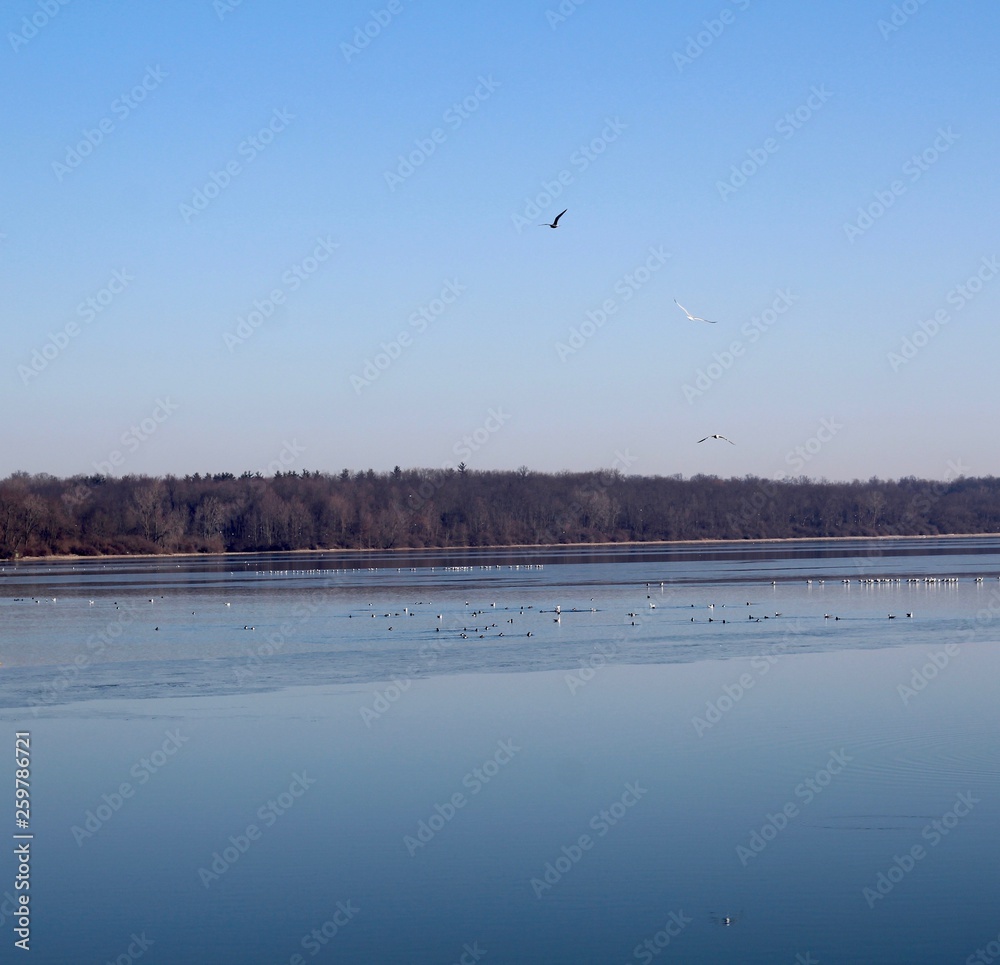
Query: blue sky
[{"x": 173, "y": 169}]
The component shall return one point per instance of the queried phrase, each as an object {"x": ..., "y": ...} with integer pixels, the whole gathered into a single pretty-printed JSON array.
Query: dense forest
[{"x": 41, "y": 515}]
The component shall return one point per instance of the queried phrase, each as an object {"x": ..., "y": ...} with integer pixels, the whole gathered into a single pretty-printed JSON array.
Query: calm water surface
[{"x": 360, "y": 758}]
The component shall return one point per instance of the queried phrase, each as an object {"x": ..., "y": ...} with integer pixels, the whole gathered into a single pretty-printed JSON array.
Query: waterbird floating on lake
[{"x": 726, "y": 921}]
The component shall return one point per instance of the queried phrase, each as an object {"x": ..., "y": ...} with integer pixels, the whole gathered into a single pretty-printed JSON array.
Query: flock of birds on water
[
  {"x": 694, "y": 318},
  {"x": 471, "y": 618}
]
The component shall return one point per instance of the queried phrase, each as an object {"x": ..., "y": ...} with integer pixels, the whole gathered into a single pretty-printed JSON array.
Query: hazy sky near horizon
[{"x": 247, "y": 236}]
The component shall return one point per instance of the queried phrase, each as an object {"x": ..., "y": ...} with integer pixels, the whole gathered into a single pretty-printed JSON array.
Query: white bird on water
[
  {"x": 715, "y": 435},
  {"x": 694, "y": 318}
]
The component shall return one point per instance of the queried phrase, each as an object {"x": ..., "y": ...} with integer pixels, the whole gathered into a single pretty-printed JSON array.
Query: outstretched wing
[{"x": 694, "y": 318}]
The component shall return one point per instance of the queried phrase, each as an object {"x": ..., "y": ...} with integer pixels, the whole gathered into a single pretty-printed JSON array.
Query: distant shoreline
[
  {"x": 50, "y": 518},
  {"x": 66, "y": 557}
]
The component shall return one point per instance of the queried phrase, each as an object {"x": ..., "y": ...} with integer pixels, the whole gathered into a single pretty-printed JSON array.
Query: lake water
[{"x": 413, "y": 757}]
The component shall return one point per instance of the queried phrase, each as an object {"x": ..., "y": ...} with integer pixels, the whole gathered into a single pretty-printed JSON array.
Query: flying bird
[
  {"x": 715, "y": 435},
  {"x": 694, "y": 318},
  {"x": 555, "y": 224}
]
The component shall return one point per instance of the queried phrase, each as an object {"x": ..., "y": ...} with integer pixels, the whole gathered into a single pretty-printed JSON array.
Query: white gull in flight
[{"x": 694, "y": 318}]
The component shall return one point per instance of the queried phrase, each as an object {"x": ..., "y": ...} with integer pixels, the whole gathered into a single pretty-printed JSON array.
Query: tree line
[{"x": 42, "y": 515}]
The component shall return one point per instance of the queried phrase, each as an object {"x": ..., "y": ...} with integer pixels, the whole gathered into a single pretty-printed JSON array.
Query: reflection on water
[
  {"x": 790, "y": 790},
  {"x": 243, "y": 624}
]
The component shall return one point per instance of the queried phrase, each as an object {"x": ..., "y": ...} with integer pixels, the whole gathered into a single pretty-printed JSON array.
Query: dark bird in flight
[
  {"x": 715, "y": 435},
  {"x": 694, "y": 318},
  {"x": 555, "y": 224}
]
